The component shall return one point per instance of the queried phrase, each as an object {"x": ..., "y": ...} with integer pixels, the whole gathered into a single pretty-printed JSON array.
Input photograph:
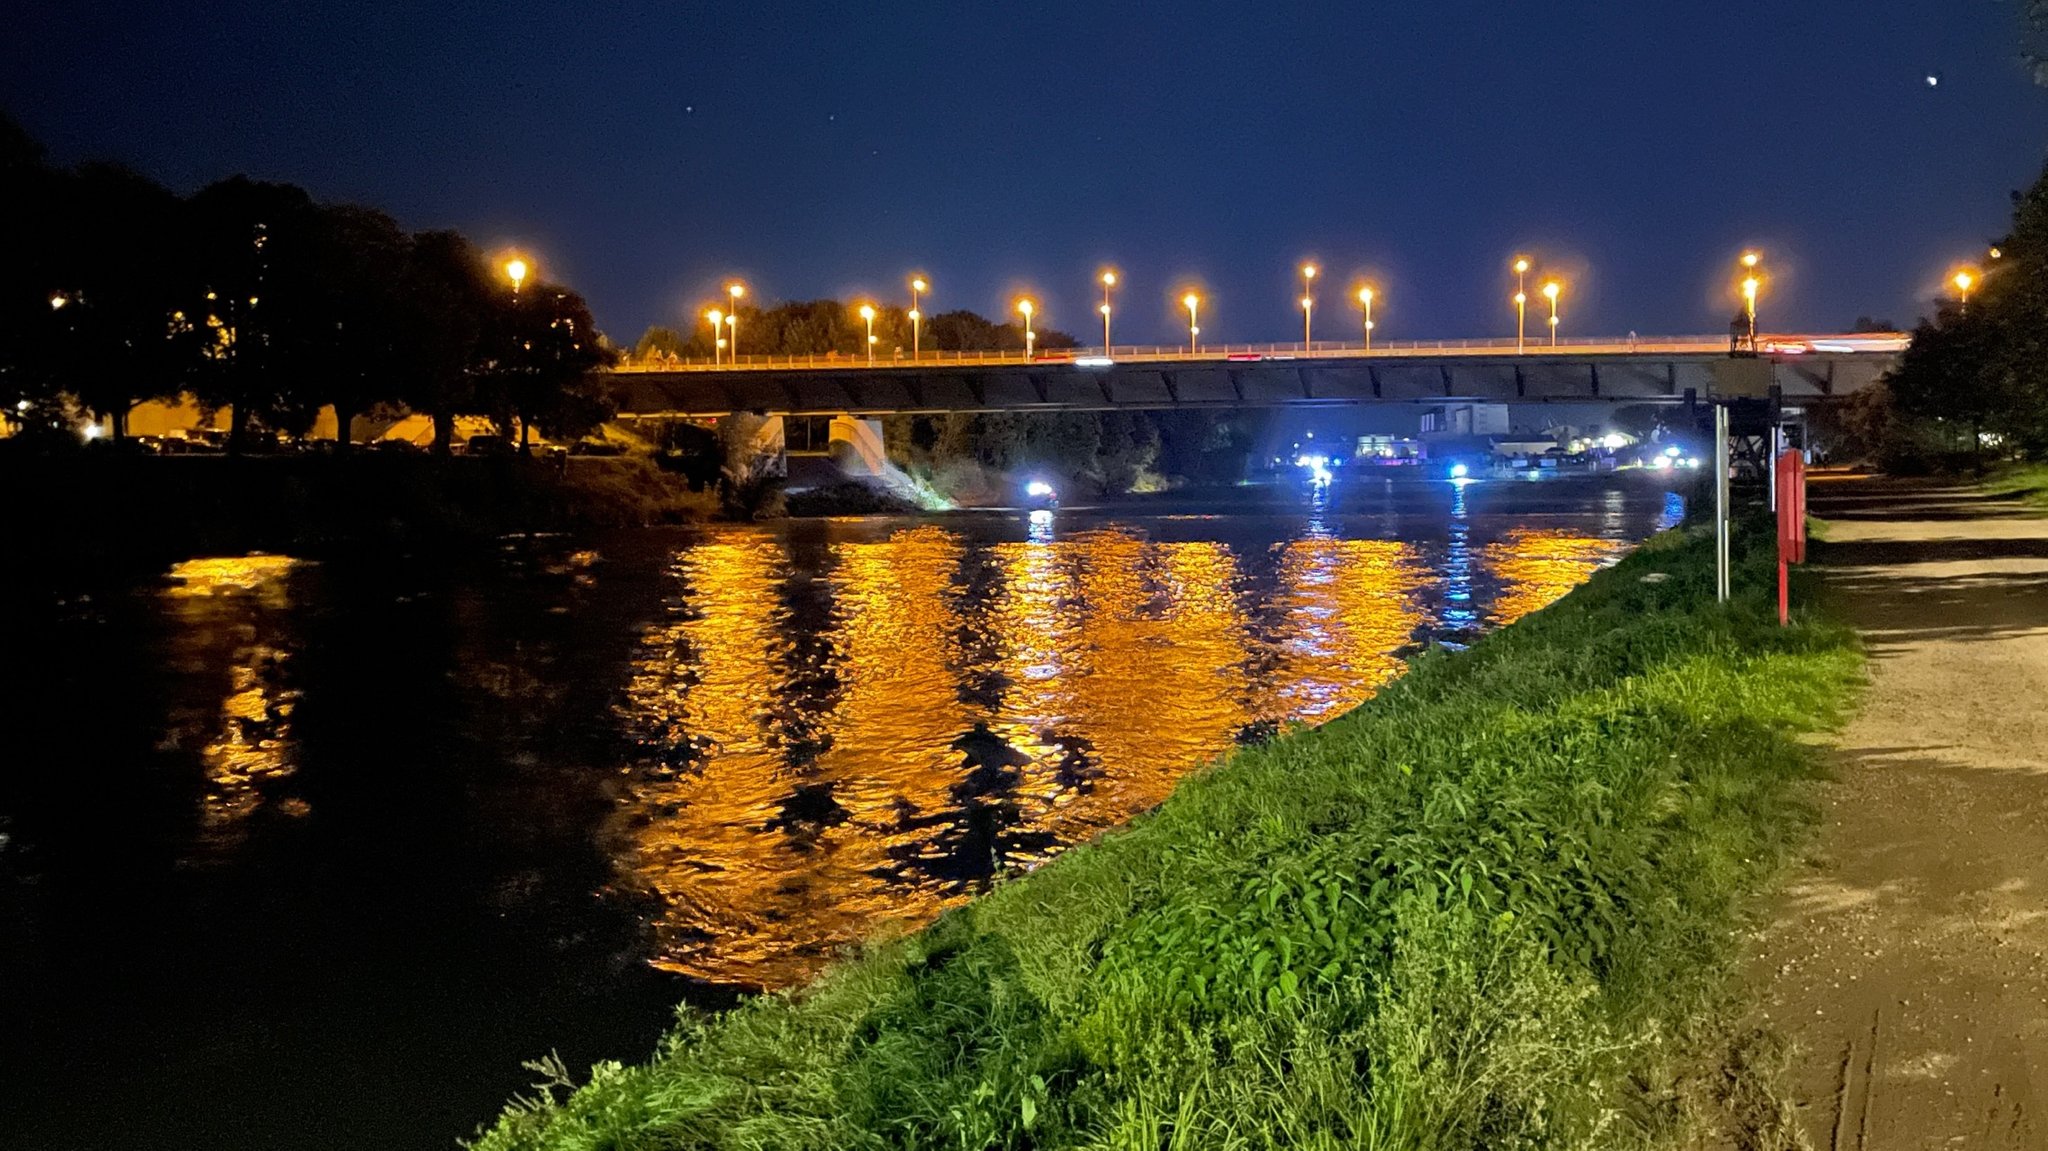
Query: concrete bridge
[{"x": 1804, "y": 369}]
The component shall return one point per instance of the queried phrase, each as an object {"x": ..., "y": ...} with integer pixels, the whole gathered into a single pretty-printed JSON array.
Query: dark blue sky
[{"x": 830, "y": 149}]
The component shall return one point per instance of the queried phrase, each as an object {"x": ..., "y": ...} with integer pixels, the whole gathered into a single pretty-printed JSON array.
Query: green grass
[
  {"x": 2029, "y": 482},
  {"x": 1480, "y": 911}
]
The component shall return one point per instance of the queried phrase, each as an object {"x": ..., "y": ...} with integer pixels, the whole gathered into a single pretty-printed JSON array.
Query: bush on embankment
[{"x": 1463, "y": 916}]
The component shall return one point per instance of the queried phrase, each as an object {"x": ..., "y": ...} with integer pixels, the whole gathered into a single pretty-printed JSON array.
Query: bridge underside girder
[{"x": 1269, "y": 383}]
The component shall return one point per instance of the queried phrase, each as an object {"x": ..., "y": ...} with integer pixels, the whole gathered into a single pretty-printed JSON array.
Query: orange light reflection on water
[
  {"x": 976, "y": 708},
  {"x": 247, "y": 745},
  {"x": 1536, "y": 567}
]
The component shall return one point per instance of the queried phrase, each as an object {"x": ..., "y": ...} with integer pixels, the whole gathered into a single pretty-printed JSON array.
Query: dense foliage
[
  {"x": 835, "y": 328},
  {"x": 1974, "y": 383},
  {"x": 1470, "y": 914},
  {"x": 255, "y": 297},
  {"x": 1113, "y": 451}
]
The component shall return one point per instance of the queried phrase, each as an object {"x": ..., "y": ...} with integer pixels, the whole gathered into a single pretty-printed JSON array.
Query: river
[{"x": 303, "y": 852}]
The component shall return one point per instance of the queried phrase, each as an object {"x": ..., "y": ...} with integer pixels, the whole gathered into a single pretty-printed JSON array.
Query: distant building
[
  {"x": 1523, "y": 444},
  {"x": 1387, "y": 449},
  {"x": 1458, "y": 420}
]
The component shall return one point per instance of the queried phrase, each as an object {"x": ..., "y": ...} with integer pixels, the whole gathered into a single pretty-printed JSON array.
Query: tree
[
  {"x": 123, "y": 334},
  {"x": 349, "y": 339},
  {"x": 659, "y": 343},
  {"x": 970, "y": 332},
  {"x": 445, "y": 298},
  {"x": 90, "y": 292},
  {"x": 251, "y": 251},
  {"x": 543, "y": 353},
  {"x": 1982, "y": 369},
  {"x": 2034, "y": 38}
]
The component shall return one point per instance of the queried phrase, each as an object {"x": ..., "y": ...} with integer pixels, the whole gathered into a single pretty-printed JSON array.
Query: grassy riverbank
[
  {"x": 2028, "y": 482},
  {"x": 1481, "y": 911}
]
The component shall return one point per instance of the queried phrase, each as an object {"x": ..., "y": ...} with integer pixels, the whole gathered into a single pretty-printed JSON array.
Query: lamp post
[
  {"x": 1521, "y": 304},
  {"x": 1365, "y": 298},
  {"x": 1108, "y": 282},
  {"x": 1308, "y": 305},
  {"x": 717, "y": 319},
  {"x": 1752, "y": 286},
  {"x": 1964, "y": 280},
  {"x": 867, "y": 312},
  {"x": 732, "y": 318},
  {"x": 1026, "y": 308},
  {"x": 1551, "y": 291},
  {"x": 1193, "y": 303},
  {"x": 515, "y": 271},
  {"x": 917, "y": 287}
]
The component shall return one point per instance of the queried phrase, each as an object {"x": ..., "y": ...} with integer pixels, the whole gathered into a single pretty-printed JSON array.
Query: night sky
[{"x": 831, "y": 149}]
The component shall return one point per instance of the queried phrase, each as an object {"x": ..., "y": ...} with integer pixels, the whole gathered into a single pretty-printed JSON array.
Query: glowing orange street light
[
  {"x": 867, "y": 312},
  {"x": 732, "y": 318},
  {"x": 917, "y": 288},
  {"x": 717, "y": 319},
  {"x": 1308, "y": 304},
  {"x": 1752, "y": 287},
  {"x": 1964, "y": 280},
  {"x": 1365, "y": 298},
  {"x": 1521, "y": 302},
  {"x": 1108, "y": 282},
  {"x": 515, "y": 271},
  {"x": 1027, "y": 308},
  {"x": 1551, "y": 291},
  {"x": 1193, "y": 303}
]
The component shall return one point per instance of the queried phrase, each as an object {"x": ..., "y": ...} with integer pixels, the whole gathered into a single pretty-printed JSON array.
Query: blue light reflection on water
[{"x": 1459, "y": 610}]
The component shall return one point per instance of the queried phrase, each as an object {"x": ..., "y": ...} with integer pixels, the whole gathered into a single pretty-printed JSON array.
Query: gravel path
[{"x": 1909, "y": 959}]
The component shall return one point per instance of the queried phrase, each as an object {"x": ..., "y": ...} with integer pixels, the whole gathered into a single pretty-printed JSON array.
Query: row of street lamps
[{"x": 725, "y": 323}]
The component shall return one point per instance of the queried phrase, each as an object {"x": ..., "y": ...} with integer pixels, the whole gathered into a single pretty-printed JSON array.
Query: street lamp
[
  {"x": 1026, "y": 307},
  {"x": 1521, "y": 303},
  {"x": 1193, "y": 304},
  {"x": 717, "y": 319},
  {"x": 1752, "y": 286},
  {"x": 515, "y": 271},
  {"x": 1551, "y": 291},
  {"x": 1964, "y": 280},
  {"x": 917, "y": 287},
  {"x": 1108, "y": 282},
  {"x": 867, "y": 312},
  {"x": 732, "y": 318},
  {"x": 1308, "y": 304},
  {"x": 1365, "y": 298}
]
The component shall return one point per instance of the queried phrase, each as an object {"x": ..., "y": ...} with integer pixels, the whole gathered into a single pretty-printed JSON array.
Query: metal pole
[
  {"x": 1721, "y": 558},
  {"x": 1776, "y": 435}
]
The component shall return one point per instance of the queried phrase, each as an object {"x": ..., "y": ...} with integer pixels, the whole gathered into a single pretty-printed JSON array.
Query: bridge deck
[{"x": 1615, "y": 371}]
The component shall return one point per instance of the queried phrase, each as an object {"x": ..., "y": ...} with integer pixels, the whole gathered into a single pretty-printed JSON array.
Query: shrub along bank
[{"x": 1472, "y": 913}]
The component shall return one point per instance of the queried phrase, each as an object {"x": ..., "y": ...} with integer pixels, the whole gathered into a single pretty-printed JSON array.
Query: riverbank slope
[
  {"x": 1474, "y": 912},
  {"x": 1909, "y": 960}
]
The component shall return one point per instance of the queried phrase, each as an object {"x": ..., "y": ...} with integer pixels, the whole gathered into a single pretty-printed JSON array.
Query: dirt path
[{"x": 1909, "y": 960}]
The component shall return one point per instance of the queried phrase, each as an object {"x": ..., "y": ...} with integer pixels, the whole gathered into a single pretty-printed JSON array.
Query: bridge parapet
[{"x": 1615, "y": 373}]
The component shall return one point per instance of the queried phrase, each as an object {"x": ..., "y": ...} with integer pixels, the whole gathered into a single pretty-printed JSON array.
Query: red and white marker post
[{"x": 1791, "y": 477}]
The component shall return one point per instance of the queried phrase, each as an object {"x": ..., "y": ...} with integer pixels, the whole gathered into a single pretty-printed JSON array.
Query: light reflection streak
[
  {"x": 247, "y": 745},
  {"x": 984, "y": 706},
  {"x": 1536, "y": 567}
]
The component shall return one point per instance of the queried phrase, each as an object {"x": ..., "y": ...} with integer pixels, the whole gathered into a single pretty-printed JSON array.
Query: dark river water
[{"x": 300, "y": 853}]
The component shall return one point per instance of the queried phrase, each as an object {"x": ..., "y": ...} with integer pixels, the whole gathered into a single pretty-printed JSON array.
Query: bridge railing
[{"x": 1138, "y": 353}]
